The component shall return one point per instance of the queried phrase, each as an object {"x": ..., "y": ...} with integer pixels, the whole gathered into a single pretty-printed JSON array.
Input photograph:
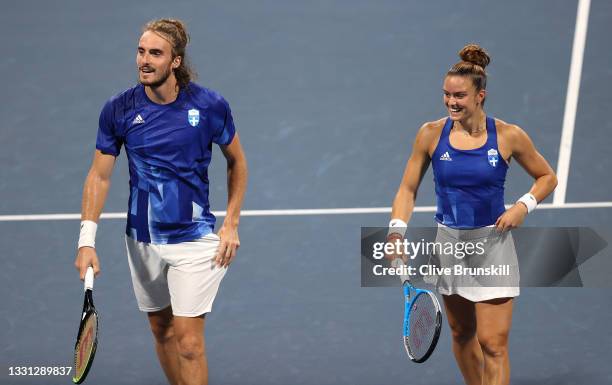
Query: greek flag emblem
[
  {"x": 492, "y": 156},
  {"x": 193, "y": 117}
]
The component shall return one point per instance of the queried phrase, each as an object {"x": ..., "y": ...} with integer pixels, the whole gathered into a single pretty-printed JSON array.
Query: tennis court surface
[{"x": 327, "y": 97}]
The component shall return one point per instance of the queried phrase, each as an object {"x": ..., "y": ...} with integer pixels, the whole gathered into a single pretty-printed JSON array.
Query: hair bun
[{"x": 475, "y": 54}]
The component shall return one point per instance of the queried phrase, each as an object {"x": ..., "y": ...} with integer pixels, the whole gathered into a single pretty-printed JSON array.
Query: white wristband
[
  {"x": 530, "y": 201},
  {"x": 87, "y": 237},
  {"x": 397, "y": 226}
]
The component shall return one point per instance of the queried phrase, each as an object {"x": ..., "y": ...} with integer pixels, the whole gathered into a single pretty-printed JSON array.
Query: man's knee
[
  {"x": 161, "y": 326},
  {"x": 191, "y": 346}
]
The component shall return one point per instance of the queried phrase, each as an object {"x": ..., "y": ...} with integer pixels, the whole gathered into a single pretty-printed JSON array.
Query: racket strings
[
  {"x": 85, "y": 345},
  {"x": 422, "y": 326}
]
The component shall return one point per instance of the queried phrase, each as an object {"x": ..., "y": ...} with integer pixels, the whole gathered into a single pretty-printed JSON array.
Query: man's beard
[{"x": 156, "y": 83}]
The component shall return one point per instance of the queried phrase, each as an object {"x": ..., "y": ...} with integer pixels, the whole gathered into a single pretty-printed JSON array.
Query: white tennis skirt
[
  {"x": 477, "y": 264},
  {"x": 183, "y": 275}
]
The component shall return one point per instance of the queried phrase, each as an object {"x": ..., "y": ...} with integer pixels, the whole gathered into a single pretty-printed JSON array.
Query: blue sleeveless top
[{"x": 469, "y": 183}]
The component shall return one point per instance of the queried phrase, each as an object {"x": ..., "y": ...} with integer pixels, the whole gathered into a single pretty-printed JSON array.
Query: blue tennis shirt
[{"x": 169, "y": 148}]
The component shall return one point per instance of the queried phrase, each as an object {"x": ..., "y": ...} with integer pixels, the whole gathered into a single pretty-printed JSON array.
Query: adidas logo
[
  {"x": 446, "y": 156},
  {"x": 138, "y": 120}
]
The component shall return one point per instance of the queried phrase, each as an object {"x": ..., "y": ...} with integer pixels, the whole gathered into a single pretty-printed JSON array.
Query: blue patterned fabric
[{"x": 169, "y": 148}]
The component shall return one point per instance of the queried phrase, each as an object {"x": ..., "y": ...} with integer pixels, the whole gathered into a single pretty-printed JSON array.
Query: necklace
[{"x": 481, "y": 128}]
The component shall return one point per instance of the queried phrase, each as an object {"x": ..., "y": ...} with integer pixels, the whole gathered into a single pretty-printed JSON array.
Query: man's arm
[
  {"x": 95, "y": 190},
  {"x": 236, "y": 186}
]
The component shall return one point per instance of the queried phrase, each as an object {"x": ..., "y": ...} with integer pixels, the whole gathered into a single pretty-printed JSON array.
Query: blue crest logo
[
  {"x": 193, "y": 117},
  {"x": 493, "y": 157}
]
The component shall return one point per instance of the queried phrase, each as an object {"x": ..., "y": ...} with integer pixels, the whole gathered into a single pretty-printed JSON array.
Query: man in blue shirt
[{"x": 167, "y": 125}]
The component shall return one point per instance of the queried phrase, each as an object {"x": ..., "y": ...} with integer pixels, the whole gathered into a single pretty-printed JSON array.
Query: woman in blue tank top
[{"x": 470, "y": 154}]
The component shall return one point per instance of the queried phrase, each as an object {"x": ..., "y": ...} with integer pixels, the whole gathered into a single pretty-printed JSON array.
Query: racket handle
[
  {"x": 398, "y": 263},
  {"x": 89, "y": 279}
]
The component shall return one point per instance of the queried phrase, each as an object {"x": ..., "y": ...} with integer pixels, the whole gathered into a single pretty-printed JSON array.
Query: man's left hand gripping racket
[
  {"x": 87, "y": 338},
  {"x": 422, "y": 319}
]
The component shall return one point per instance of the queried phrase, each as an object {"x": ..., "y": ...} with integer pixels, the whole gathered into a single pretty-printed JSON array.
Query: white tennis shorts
[{"x": 183, "y": 275}]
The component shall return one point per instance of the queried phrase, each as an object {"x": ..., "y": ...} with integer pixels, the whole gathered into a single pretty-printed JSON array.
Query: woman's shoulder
[
  {"x": 508, "y": 131},
  {"x": 429, "y": 134},
  {"x": 432, "y": 128}
]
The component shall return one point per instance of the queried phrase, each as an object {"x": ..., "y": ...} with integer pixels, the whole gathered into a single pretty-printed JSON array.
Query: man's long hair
[{"x": 175, "y": 32}]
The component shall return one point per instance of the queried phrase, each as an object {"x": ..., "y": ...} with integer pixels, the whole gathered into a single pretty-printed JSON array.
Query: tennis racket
[
  {"x": 87, "y": 338},
  {"x": 422, "y": 319}
]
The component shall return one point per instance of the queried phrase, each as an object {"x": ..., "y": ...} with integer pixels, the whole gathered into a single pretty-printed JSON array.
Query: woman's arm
[
  {"x": 545, "y": 180},
  {"x": 417, "y": 165}
]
